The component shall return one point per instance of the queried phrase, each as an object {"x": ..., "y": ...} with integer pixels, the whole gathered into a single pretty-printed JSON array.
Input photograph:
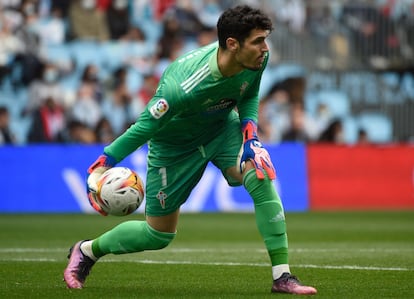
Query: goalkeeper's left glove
[
  {"x": 95, "y": 171},
  {"x": 254, "y": 151}
]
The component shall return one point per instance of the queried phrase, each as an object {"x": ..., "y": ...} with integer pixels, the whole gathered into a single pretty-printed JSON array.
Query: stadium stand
[{"x": 342, "y": 76}]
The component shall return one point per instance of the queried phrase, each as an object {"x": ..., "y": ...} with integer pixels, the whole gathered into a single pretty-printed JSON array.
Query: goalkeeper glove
[
  {"x": 95, "y": 171},
  {"x": 254, "y": 151}
]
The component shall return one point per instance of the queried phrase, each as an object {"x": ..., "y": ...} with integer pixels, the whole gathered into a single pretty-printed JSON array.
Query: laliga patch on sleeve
[{"x": 159, "y": 108}]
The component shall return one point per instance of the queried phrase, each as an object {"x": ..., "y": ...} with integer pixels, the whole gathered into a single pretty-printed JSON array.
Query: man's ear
[{"x": 232, "y": 44}]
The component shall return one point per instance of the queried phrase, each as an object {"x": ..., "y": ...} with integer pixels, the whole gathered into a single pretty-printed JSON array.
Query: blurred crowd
[{"x": 82, "y": 71}]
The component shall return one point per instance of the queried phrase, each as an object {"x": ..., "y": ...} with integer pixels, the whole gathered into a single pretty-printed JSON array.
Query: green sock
[
  {"x": 270, "y": 218},
  {"x": 130, "y": 236}
]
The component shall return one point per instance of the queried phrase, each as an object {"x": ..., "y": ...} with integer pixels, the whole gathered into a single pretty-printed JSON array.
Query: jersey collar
[{"x": 215, "y": 72}]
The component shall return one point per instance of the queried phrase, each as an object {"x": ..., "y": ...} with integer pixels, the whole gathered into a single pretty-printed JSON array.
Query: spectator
[
  {"x": 171, "y": 40},
  {"x": 170, "y": 45},
  {"x": 209, "y": 13},
  {"x": 331, "y": 40},
  {"x": 27, "y": 64},
  {"x": 298, "y": 130},
  {"x": 206, "y": 36},
  {"x": 362, "y": 138},
  {"x": 47, "y": 86},
  {"x": 292, "y": 13},
  {"x": 274, "y": 115},
  {"x": 87, "y": 21},
  {"x": 323, "y": 118},
  {"x": 52, "y": 29},
  {"x": 78, "y": 132},
  {"x": 90, "y": 77},
  {"x": 6, "y": 136},
  {"x": 189, "y": 23},
  {"x": 264, "y": 127},
  {"x": 140, "y": 52},
  {"x": 103, "y": 4},
  {"x": 333, "y": 133},
  {"x": 134, "y": 34},
  {"x": 86, "y": 108},
  {"x": 119, "y": 76},
  {"x": 160, "y": 7},
  {"x": 11, "y": 13},
  {"x": 61, "y": 5},
  {"x": 117, "y": 18},
  {"x": 147, "y": 90},
  {"x": 48, "y": 122},
  {"x": 10, "y": 45},
  {"x": 370, "y": 32},
  {"x": 120, "y": 108},
  {"x": 104, "y": 132}
]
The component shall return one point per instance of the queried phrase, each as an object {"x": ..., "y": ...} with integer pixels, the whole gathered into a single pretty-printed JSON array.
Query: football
[{"x": 120, "y": 191}]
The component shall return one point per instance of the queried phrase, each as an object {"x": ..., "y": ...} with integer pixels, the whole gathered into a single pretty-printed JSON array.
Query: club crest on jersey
[
  {"x": 243, "y": 87},
  {"x": 159, "y": 108},
  {"x": 161, "y": 196}
]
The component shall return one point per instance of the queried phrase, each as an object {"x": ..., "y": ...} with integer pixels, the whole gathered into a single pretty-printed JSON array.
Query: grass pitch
[{"x": 344, "y": 255}]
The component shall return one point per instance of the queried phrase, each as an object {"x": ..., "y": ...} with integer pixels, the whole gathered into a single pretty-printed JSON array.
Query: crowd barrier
[
  {"x": 361, "y": 177},
  {"x": 51, "y": 179}
]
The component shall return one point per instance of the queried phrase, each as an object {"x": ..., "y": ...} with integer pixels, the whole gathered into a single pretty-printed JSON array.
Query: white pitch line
[
  {"x": 32, "y": 250},
  {"x": 159, "y": 262},
  {"x": 226, "y": 250}
]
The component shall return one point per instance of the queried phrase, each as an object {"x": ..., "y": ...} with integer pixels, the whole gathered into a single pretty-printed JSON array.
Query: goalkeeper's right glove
[
  {"x": 95, "y": 171},
  {"x": 254, "y": 151}
]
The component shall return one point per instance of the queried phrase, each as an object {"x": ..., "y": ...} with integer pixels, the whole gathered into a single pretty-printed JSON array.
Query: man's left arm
[{"x": 252, "y": 149}]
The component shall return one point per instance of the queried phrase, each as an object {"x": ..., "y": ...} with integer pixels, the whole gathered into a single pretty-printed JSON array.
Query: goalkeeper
[{"x": 190, "y": 121}]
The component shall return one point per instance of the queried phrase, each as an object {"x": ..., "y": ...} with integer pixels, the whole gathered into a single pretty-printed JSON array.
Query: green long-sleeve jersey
[{"x": 192, "y": 102}]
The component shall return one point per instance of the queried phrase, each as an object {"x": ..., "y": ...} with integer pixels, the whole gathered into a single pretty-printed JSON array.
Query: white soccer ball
[{"x": 120, "y": 191}]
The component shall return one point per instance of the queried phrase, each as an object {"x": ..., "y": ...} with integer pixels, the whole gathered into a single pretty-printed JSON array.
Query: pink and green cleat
[
  {"x": 289, "y": 284},
  {"x": 78, "y": 267}
]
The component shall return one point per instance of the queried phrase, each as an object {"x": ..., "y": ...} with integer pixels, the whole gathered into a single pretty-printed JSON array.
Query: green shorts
[{"x": 169, "y": 186}]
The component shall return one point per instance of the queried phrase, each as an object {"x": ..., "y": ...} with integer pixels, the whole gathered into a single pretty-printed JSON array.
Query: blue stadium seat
[
  {"x": 114, "y": 54},
  {"x": 276, "y": 74},
  {"x": 391, "y": 83},
  {"x": 378, "y": 126},
  {"x": 311, "y": 102},
  {"x": 134, "y": 80},
  {"x": 407, "y": 85},
  {"x": 391, "y": 79},
  {"x": 152, "y": 30},
  {"x": 350, "y": 129},
  {"x": 14, "y": 101},
  {"x": 20, "y": 127},
  {"x": 59, "y": 55},
  {"x": 86, "y": 52},
  {"x": 337, "y": 102}
]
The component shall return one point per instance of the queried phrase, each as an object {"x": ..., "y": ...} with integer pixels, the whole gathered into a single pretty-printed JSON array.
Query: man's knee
[{"x": 159, "y": 239}]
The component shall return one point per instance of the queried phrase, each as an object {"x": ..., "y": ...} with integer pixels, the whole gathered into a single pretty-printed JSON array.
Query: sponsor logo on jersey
[
  {"x": 159, "y": 108},
  {"x": 208, "y": 101},
  {"x": 223, "y": 104}
]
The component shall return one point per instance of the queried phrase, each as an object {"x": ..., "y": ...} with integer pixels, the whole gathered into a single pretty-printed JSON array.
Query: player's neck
[{"x": 227, "y": 63}]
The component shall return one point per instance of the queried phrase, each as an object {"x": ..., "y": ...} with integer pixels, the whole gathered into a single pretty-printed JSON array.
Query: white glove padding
[
  {"x": 95, "y": 171},
  {"x": 94, "y": 177}
]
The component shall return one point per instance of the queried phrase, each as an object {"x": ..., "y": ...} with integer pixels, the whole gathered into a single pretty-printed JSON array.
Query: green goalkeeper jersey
[{"x": 192, "y": 102}]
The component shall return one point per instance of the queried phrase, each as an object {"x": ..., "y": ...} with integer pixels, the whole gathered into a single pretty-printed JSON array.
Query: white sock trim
[
  {"x": 86, "y": 248},
  {"x": 278, "y": 270}
]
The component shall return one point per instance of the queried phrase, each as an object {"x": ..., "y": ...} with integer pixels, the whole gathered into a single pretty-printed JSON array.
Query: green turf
[{"x": 344, "y": 255}]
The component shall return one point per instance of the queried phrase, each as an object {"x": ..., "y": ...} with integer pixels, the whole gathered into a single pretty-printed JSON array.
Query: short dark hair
[
  {"x": 4, "y": 110},
  {"x": 239, "y": 21}
]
